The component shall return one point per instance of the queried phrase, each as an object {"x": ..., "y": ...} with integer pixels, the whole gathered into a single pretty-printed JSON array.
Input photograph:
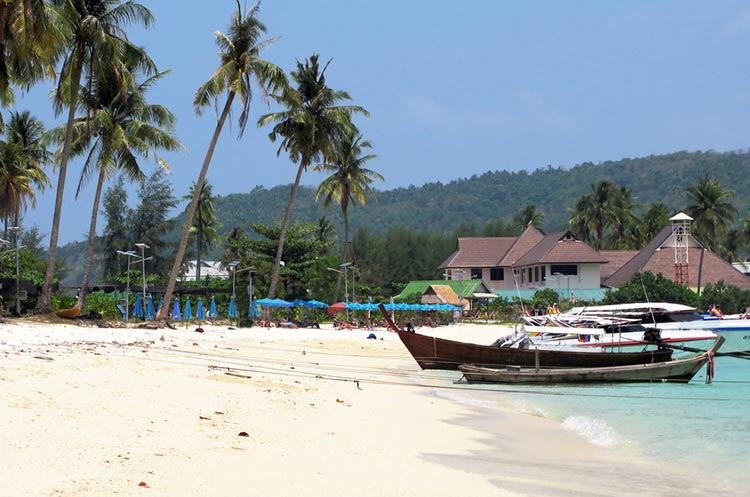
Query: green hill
[{"x": 495, "y": 195}]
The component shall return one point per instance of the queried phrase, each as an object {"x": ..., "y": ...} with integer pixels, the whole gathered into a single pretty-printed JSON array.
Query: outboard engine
[{"x": 652, "y": 335}]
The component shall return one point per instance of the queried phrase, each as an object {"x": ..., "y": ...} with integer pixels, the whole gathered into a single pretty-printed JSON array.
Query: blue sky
[{"x": 458, "y": 88}]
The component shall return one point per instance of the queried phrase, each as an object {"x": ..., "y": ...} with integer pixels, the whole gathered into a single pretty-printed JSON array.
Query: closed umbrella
[
  {"x": 200, "y": 311},
  {"x": 161, "y": 302},
  {"x": 176, "y": 310},
  {"x": 138, "y": 307},
  {"x": 150, "y": 314},
  {"x": 212, "y": 313},
  {"x": 232, "y": 309},
  {"x": 188, "y": 310}
]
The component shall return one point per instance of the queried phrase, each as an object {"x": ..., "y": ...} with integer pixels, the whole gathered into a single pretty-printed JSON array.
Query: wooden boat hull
[
  {"x": 68, "y": 313},
  {"x": 439, "y": 353},
  {"x": 678, "y": 370}
]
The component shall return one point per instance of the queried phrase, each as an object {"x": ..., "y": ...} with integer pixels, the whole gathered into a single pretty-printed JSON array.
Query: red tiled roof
[
  {"x": 478, "y": 252},
  {"x": 616, "y": 259},
  {"x": 561, "y": 247},
  {"x": 656, "y": 259},
  {"x": 525, "y": 242}
]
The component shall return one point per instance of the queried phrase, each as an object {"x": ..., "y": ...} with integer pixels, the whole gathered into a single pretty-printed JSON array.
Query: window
[
  {"x": 530, "y": 280},
  {"x": 536, "y": 273},
  {"x": 564, "y": 269},
  {"x": 476, "y": 273},
  {"x": 497, "y": 274}
]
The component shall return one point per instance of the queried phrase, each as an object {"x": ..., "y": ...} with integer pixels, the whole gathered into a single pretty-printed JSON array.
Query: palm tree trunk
[
  {"x": 199, "y": 247},
  {"x": 190, "y": 213},
  {"x": 92, "y": 240},
  {"x": 282, "y": 234},
  {"x": 44, "y": 304},
  {"x": 345, "y": 256}
]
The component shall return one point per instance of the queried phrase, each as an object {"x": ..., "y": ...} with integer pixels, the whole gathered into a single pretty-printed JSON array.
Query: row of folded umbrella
[{"x": 149, "y": 312}]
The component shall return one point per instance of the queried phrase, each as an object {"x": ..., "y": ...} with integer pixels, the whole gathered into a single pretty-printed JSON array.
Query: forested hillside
[{"x": 501, "y": 195}]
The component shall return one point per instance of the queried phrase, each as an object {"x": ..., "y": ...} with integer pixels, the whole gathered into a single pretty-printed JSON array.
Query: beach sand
[{"x": 88, "y": 411}]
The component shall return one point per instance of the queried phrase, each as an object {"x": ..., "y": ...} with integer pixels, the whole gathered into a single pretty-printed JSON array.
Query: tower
[{"x": 681, "y": 234}]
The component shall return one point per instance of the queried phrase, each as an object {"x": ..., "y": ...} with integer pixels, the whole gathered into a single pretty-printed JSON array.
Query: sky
[{"x": 454, "y": 89}]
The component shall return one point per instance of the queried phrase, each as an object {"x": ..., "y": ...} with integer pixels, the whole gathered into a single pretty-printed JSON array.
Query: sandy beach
[{"x": 88, "y": 411}]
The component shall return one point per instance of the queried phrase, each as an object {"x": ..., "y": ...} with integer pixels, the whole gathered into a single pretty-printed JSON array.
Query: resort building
[{"x": 208, "y": 268}]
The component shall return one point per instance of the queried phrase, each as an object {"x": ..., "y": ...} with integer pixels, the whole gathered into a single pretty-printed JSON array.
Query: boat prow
[{"x": 68, "y": 313}]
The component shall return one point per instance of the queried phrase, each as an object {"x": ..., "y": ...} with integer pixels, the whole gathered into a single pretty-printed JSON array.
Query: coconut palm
[
  {"x": 114, "y": 131},
  {"x": 529, "y": 216},
  {"x": 96, "y": 46},
  {"x": 350, "y": 181},
  {"x": 310, "y": 129},
  {"x": 22, "y": 157},
  {"x": 710, "y": 209},
  {"x": 623, "y": 221},
  {"x": 593, "y": 213},
  {"x": 29, "y": 44},
  {"x": 204, "y": 223},
  {"x": 240, "y": 65}
]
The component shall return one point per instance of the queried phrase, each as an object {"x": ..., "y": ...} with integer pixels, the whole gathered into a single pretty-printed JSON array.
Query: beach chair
[{"x": 122, "y": 311}]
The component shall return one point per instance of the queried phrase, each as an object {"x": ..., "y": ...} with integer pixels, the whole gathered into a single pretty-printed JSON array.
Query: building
[
  {"x": 527, "y": 263},
  {"x": 208, "y": 268}
]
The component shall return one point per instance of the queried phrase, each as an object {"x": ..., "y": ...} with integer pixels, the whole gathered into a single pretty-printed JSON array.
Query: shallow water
[{"x": 703, "y": 430}]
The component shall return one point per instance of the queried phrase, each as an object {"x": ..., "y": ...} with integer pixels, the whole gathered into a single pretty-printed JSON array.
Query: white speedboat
[
  {"x": 675, "y": 317},
  {"x": 601, "y": 333}
]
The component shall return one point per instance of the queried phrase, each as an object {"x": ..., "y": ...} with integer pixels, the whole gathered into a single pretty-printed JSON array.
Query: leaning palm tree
[
  {"x": 310, "y": 129},
  {"x": 350, "y": 182},
  {"x": 97, "y": 46},
  {"x": 710, "y": 209},
  {"x": 204, "y": 223},
  {"x": 122, "y": 127},
  {"x": 240, "y": 65}
]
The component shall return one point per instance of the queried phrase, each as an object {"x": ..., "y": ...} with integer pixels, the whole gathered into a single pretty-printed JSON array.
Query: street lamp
[
  {"x": 130, "y": 254},
  {"x": 143, "y": 248},
  {"x": 346, "y": 284},
  {"x": 460, "y": 273},
  {"x": 15, "y": 230}
]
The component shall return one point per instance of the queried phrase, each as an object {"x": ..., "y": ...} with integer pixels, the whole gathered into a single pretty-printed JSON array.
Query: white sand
[{"x": 99, "y": 412}]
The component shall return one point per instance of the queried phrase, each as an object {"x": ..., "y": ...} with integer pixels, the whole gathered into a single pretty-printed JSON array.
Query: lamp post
[
  {"x": 15, "y": 230},
  {"x": 143, "y": 248},
  {"x": 346, "y": 288},
  {"x": 354, "y": 292},
  {"x": 234, "y": 265},
  {"x": 460, "y": 273},
  {"x": 129, "y": 254}
]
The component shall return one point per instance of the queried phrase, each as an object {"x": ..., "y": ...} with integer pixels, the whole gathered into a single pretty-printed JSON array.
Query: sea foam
[{"x": 595, "y": 431}]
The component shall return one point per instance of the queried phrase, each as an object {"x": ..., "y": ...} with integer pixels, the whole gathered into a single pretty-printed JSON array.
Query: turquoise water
[{"x": 702, "y": 428}]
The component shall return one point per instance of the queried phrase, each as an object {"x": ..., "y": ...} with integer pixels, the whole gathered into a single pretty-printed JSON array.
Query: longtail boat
[
  {"x": 439, "y": 353},
  {"x": 677, "y": 370}
]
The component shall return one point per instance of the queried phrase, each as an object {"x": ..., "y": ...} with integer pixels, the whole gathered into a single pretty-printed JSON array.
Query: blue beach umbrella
[
  {"x": 176, "y": 310},
  {"x": 232, "y": 309},
  {"x": 138, "y": 307},
  {"x": 150, "y": 314},
  {"x": 200, "y": 311},
  {"x": 188, "y": 310},
  {"x": 212, "y": 313}
]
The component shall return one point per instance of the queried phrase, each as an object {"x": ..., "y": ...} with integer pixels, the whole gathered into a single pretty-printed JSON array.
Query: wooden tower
[{"x": 681, "y": 233}]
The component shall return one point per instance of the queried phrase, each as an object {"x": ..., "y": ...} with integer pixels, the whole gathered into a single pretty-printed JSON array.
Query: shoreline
[{"x": 326, "y": 412}]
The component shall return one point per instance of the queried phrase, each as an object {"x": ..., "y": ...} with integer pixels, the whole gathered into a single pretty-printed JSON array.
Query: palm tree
[
  {"x": 97, "y": 44},
  {"x": 529, "y": 216},
  {"x": 652, "y": 222},
  {"x": 350, "y": 181},
  {"x": 240, "y": 64},
  {"x": 593, "y": 213},
  {"x": 121, "y": 127},
  {"x": 325, "y": 230},
  {"x": 310, "y": 129},
  {"x": 22, "y": 157},
  {"x": 623, "y": 220},
  {"x": 204, "y": 223},
  {"x": 29, "y": 45},
  {"x": 710, "y": 209}
]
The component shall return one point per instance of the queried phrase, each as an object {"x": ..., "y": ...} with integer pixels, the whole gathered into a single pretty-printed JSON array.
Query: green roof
[{"x": 466, "y": 287}]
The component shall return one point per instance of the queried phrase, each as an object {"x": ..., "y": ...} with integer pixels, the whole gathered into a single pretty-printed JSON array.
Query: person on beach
[{"x": 715, "y": 311}]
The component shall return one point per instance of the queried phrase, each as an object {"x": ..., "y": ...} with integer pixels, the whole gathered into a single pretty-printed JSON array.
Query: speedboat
[
  {"x": 606, "y": 333},
  {"x": 670, "y": 317}
]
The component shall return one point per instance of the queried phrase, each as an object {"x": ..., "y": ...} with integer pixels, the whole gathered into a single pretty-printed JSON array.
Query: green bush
[
  {"x": 645, "y": 287},
  {"x": 730, "y": 298}
]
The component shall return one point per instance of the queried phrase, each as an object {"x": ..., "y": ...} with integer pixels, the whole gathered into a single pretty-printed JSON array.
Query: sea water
[{"x": 701, "y": 428}]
